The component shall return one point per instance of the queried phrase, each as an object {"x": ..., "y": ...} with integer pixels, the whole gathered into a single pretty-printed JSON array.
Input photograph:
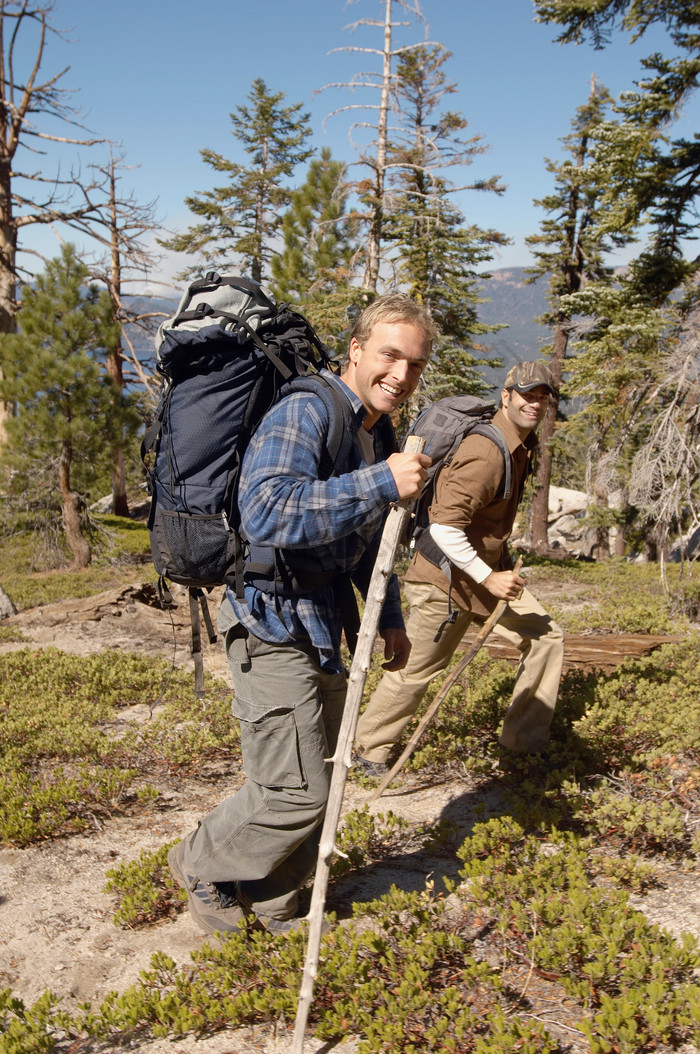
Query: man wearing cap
[{"x": 470, "y": 523}]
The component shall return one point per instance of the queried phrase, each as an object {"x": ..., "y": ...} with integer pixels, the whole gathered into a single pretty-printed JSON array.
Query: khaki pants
[
  {"x": 266, "y": 836},
  {"x": 524, "y": 623}
]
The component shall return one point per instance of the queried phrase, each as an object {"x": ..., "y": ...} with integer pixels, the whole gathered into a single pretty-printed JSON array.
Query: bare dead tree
[
  {"x": 121, "y": 227},
  {"x": 666, "y": 469},
  {"x": 29, "y": 106},
  {"x": 375, "y": 155}
]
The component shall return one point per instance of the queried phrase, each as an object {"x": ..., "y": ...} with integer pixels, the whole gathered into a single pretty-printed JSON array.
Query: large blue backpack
[{"x": 225, "y": 357}]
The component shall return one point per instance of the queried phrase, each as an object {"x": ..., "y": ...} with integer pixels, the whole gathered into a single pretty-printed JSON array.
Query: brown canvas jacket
[{"x": 465, "y": 497}]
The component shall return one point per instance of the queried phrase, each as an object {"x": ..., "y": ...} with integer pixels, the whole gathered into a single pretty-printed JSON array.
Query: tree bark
[
  {"x": 8, "y": 254},
  {"x": 539, "y": 519},
  {"x": 115, "y": 357},
  {"x": 120, "y": 503},
  {"x": 371, "y": 276},
  {"x": 601, "y": 545},
  {"x": 72, "y": 507}
]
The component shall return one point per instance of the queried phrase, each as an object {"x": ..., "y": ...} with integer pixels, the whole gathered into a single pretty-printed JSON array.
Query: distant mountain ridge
[
  {"x": 510, "y": 300},
  {"x": 517, "y": 304}
]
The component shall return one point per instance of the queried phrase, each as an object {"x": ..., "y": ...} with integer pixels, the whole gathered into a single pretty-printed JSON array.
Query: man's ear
[{"x": 354, "y": 351}]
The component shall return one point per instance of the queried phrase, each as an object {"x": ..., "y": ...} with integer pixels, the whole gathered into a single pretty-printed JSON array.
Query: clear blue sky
[{"x": 162, "y": 76}]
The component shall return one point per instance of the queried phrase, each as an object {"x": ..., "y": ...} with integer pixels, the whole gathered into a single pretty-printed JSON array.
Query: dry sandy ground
[{"x": 56, "y": 928}]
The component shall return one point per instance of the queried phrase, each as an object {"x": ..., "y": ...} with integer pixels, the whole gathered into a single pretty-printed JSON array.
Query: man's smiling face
[
  {"x": 386, "y": 369},
  {"x": 525, "y": 410}
]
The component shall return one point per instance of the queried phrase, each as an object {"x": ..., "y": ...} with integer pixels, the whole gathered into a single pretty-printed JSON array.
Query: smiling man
[
  {"x": 247, "y": 859},
  {"x": 385, "y": 364},
  {"x": 460, "y": 572}
]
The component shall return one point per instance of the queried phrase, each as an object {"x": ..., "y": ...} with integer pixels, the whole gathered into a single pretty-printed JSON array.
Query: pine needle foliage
[
  {"x": 242, "y": 216},
  {"x": 66, "y": 404}
]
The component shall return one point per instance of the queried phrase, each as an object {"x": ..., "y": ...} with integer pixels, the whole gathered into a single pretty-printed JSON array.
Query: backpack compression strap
[{"x": 207, "y": 311}]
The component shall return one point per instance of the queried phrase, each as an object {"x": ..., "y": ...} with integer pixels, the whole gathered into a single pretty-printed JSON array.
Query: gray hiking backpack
[{"x": 443, "y": 425}]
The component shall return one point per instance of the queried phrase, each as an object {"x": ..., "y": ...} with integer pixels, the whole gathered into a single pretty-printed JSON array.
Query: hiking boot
[
  {"x": 278, "y": 927},
  {"x": 213, "y": 906},
  {"x": 376, "y": 769},
  {"x": 283, "y": 927}
]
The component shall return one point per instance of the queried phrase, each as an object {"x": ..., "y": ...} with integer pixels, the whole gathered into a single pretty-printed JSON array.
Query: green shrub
[
  {"x": 543, "y": 893},
  {"x": 30, "y": 578},
  {"x": 648, "y": 708},
  {"x": 66, "y": 751},
  {"x": 552, "y": 913},
  {"x": 144, "y": 890},
  {"x": 617, "y": 596}
]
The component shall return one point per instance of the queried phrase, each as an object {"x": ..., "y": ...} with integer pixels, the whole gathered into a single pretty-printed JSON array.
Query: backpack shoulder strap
[
  {"x": 262, "y": 561},
  {"x": 492, "y": 432},
  {"x": 424, "y": 541},
  {"x": 340, "y": 436}
]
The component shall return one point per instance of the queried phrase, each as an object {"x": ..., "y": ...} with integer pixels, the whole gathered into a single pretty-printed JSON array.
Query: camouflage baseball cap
[{"x": 527, "y": 375}]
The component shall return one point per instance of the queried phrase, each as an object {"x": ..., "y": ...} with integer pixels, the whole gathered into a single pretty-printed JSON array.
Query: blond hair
[{"x": 393, "y": 307}]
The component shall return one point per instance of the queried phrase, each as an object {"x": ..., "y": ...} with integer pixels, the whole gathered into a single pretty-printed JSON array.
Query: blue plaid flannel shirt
[{"x": 284, "y": 504}]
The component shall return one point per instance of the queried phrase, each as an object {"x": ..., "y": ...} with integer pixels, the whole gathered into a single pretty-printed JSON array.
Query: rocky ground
[{"x": 56, "y": 928}]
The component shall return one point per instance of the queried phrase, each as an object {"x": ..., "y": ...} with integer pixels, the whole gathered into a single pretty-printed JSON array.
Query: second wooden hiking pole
[
  {"x": 383, "y": 569},
  {"x": 446, "y": 686}
]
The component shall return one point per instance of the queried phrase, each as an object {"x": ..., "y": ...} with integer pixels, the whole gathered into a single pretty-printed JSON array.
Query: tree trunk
[
  {"x": 115, "y": 357},
  {"x": 371, "y": 276},
  {"x": 72, "y": 507},
  {"x": 8, "y": 255},
  {"x": 601, "y": 545},
  {"x": 540, "y": 503},
  {"x": 120, "y": 504}
]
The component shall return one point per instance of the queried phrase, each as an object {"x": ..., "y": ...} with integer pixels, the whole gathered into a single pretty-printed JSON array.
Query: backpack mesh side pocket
[{"x": 194, "y": 550}]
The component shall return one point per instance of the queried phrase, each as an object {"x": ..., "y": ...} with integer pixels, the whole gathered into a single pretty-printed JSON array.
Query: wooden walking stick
[
  {"x": 433, "y": 708},
  {"x": 383, "y": 569}
]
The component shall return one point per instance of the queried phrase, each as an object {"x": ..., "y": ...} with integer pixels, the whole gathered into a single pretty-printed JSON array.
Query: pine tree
[
  {"x": 648, "y": 177},
  {"x": 244, "y": 215},
  {"x": 570, "y": 250},
  {"x": 434, "y": 252},
  {"x": 313, "y": 269},
  {"x": 68, "y": 409}
]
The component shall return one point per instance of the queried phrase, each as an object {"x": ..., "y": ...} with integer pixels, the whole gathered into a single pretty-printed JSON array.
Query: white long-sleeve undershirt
[{"x": 459, "y": 551}]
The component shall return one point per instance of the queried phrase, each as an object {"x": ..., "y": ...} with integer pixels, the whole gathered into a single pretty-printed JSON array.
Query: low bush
[
  {"x": 30, "y": 578},
  {"x": 69, "y": 750},
  {"x": 539, "y": 918}
]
